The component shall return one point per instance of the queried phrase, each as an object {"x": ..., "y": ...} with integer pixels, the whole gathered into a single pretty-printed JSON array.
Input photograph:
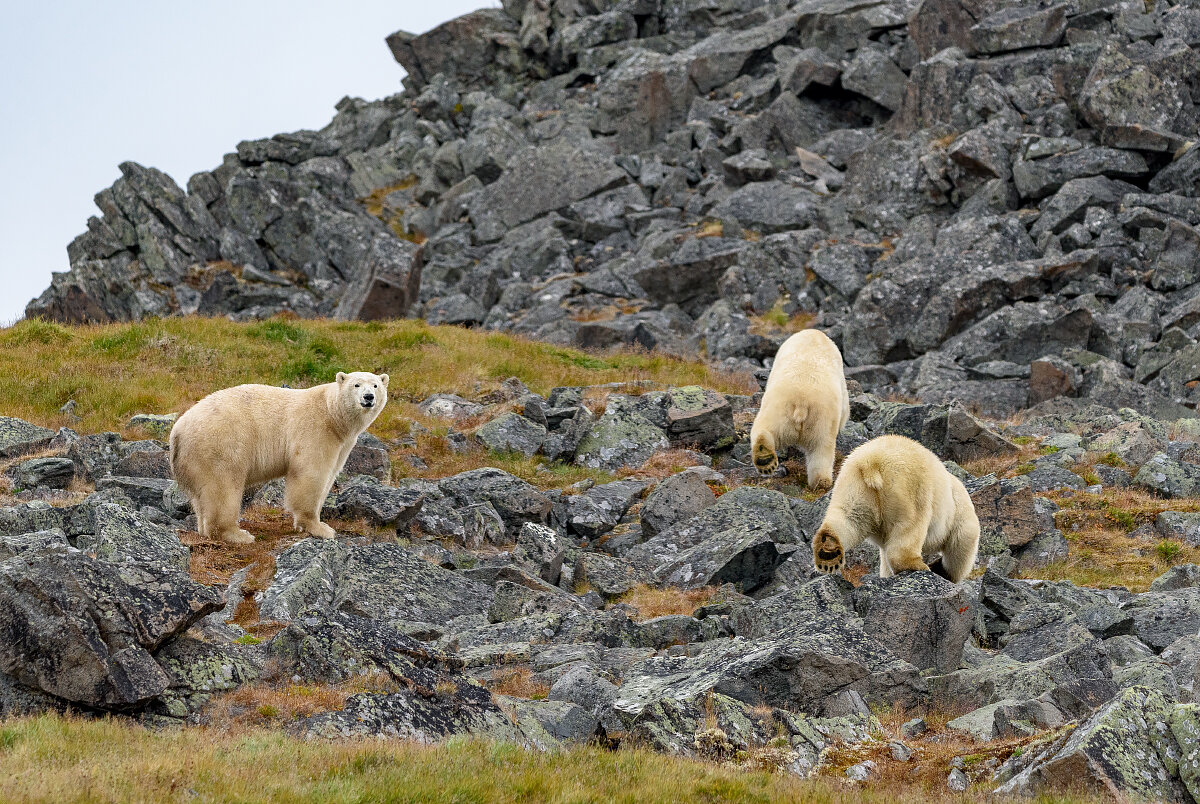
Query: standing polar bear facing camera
[
  {"x": 254, "y": 433},
  {"x": 805, "y": 404},
  {"x": 896, "y": 494}
]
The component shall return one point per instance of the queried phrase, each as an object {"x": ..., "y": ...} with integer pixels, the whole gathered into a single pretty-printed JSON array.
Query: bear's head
[
  {"x": 363, "y": 392},
  {"x": 762, "y": 452}
]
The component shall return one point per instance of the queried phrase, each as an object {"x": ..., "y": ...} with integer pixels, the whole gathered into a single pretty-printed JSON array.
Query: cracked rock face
[{"x": 84, "y": 630}]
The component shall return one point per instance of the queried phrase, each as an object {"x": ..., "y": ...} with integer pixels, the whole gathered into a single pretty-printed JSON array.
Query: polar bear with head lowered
[
  {"x": 898, "y": 495},
  {"x": 805, "y": 404},
  {"x": 254, "y": 433}
]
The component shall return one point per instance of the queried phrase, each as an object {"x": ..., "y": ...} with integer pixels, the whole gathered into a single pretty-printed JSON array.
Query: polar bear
[
  {"x": 805, "y": 404},
  {"x": 254, "y": 433},
  {"x": 897, "y": 494}
]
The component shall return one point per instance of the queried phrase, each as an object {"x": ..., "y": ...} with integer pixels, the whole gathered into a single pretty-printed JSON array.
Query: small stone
[{"x": 861, "y": 771}]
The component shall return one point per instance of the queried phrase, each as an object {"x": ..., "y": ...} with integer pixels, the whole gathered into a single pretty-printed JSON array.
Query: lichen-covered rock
[
  {"x": 596, "y": 511},
  {"x": 366, "y": 498},
  {"x": 621, "y": 438},
  {"x": 679, "y": 497},
  {"x": 449, "y": 406},
  {"x": 744, "y": 510},
  {"x": 1159, "y": 618},
  {"x": 142, "y": 490},
  {"x": 542, "y": 549},
  {"x": 745, "y": 556},
  {"x": 516, "y": 501},
  {"x": 336, "y": 646},
  {"x": 1169, "y": 477},
  {"x": 51, "y": 473},
  {"x": 84, "y": 630},
  {"x": 1126, "y": 748},
  {"x": 801, "y": 670},
  {"x": 157, "y": 425},
  {"x": 922, "y": 618},
  {"x": 1083, "y": 672},
  {"x": 512, "y": 433},
  {"x": 369, "y": 457},
  {"x": 119, "y": 535},
  {"x": 608, "y": 575},
  {"x": 425, "y": 714},
  {"x": 699, "y": 418},
  {"x": 379, "y": 581},
  {"x": 18, "y": 437}
]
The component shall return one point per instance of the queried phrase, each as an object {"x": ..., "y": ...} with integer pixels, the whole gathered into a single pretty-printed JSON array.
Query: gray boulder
[
  {"x": 18, "y": 437},
  {"x": 51, "y": 473},
  {"x": 675, "y": 499},
  {"x": 84, "y": 630}
]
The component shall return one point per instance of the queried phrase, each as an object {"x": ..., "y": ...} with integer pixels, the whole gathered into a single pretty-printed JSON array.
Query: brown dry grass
[
  {"x": 265, "y": 704},
  {"x": 650, "y": 602},
  {"x": 932, "y": 754},
  {"x": 56, "y": 759},
  {"x": 214, "y": 562},
  {"x": 441, "y": 461},
  {"x": 662, "y": 465},
  {"x": 518, "y": 682},
  {"x": 1096, "y": 527},
  {"x": 1003, "y": 465}
]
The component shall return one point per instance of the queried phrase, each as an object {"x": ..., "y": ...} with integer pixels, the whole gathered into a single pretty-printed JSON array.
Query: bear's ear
[
  {"x": 341, "y": 377},
  {"x": 384, "y": 378}
]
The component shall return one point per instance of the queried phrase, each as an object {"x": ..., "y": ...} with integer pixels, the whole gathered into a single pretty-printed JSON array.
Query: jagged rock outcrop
[{"x": 989, "y": 204}]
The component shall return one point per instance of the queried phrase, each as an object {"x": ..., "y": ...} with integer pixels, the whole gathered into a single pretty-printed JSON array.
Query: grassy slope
[
  {"x": 51, "y": 759},
  {"x": 117, "y": 370},
  {"x": 160, "y": 366}
]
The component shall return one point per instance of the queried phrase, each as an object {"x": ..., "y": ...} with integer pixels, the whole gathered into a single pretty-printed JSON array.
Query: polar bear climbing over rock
[
  {"x": 898, "y": 495},
  {"x": 254, "y": 433},
  {"x": 804, "y": 405}
]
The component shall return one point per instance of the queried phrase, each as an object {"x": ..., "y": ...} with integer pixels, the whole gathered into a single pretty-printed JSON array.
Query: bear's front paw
[
  {"x": 238, "y": 536},
  {"x": 322, "y": 531},
  {"x": 827, "y": 554},
  {"x": 821, "y": 482}
]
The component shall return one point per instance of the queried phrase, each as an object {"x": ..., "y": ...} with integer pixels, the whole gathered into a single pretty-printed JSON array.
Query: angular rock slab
[
  {"x": 84, "y": 630},
  {"x": 803, "y": 670},
  {"x": 1126, "y": 749},
  {"x": 18, "y": 437},
  {"x": 921, "y": 617},
  {"x": 380, "y": 581}
]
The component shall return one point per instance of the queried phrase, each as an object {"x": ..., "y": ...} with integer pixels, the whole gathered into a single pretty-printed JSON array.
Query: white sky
[{"x": 85, "y": 86}]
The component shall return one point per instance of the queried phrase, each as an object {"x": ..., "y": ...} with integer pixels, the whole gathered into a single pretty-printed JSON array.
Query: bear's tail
[{"x": 872, "y": 476}]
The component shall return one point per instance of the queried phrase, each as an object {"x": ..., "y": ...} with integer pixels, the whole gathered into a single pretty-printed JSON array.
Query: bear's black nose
[{"x": 368, "y": 397}]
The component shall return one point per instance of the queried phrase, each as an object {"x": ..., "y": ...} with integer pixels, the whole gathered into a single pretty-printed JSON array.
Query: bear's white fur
[
  {"x": 254, "y": 433},
  {"x": 898, "y": 495},
  {"x": 804, "y": 405}
]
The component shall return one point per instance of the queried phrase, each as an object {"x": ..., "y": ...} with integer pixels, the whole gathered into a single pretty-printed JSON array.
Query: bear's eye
[{"x": 357, "y": 385}]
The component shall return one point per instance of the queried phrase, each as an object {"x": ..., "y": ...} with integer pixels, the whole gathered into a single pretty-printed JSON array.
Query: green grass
[
  {"x": 159, "y": 366},
  {"x": 53, "y": 759},
  {"x": 1168, "y": 550}
]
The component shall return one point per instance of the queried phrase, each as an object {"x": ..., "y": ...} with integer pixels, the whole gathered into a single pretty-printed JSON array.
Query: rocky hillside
[
  {"x": 989, "y": 202},
  {"x": 666, "y": 600}
]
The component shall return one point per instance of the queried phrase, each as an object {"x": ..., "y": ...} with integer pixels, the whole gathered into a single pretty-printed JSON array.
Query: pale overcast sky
[{"x": 85, "y": 86}]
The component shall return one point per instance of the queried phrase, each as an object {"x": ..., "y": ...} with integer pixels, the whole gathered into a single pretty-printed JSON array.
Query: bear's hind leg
[
  {"x": 304, "y": 492},
  {"x": 903, "y": 546},
  {"x": 818, "y": 465},
  {"x": 218, "y": 508},
  {"x": 885, "y": 569},
  {"x": 958, "y": 553}
]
